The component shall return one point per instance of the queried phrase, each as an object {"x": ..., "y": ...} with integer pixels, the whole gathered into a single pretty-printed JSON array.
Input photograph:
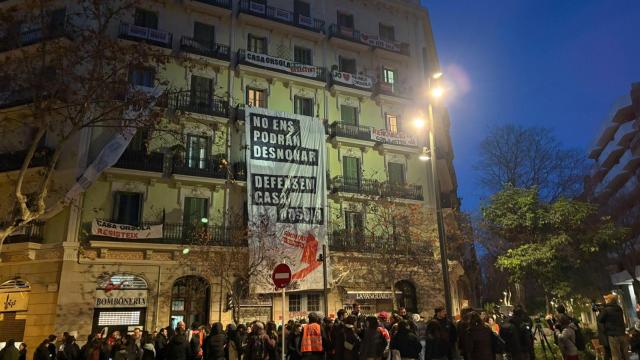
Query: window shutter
[{"x": 348, "y": 115}]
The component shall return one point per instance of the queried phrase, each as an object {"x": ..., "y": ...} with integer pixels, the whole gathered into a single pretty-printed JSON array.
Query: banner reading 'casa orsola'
[{"x": 287, "y": 196}]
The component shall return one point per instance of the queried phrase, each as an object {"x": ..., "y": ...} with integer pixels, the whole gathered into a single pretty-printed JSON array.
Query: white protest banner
[
  {"x": 394, "y": 138},
  {"x": 360, "y": 81},
  {"x": 287, "y": 195},
  {"x": 374, "y": 40},
  {"x": 282, "y": 64},
  {"x": 121, "y": 231}
]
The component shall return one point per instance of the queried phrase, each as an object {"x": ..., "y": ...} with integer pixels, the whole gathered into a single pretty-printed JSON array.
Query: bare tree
[
  {"x": 530, "y": 156},
  {"x": 69, "y": 73}
]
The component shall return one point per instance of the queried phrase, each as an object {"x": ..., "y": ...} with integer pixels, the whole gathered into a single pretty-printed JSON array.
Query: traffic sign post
[{"x": 281, "y": 277}]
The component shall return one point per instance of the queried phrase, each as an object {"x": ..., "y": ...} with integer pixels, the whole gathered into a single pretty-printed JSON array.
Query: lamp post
[{"x": 431, "y": 154}]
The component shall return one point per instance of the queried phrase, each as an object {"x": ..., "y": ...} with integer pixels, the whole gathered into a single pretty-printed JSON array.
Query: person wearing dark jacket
[
  {"x": 71, "y": 350},
  {"x": 160, "y": 343},
  {"x": 511, "y": 333},
  {"x": 148, "y": 350},
  {"x": 612, "y": 319},
  {"x": 9, "y": 351},
  {"x": 293, "y": 343},
  {"x": 448, "y": 329},
  {"x": 406, "y": 342},
  {"x": 52, "y": 346},
  {"x": 215, "y": 342},
  {"x": 436, "y": 342},
  {"x": 178, "y": 348},
  {"x": 373, "y": 342},
  {"x": 42, "y": 351},
  {"x": 478, "y": 340}
]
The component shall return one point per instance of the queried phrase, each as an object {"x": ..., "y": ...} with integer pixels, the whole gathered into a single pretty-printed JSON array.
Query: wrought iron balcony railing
[
  {"x": 214, "y": 50},
  {"x": 141, "y": 160},
  {"x": 149, "y": 35},
  {"x": 359, "y": 240},
  {"x": 373, "y": 40},
  {"x": 281, "y": 65},
  {"x": 350, "y": 131},
  {"x": 370, "y": 187},
  {"x": 13, "y": 161},
  {"x": 35, "y": 35},
  {"x": 32, "y": 232},
  {"x": 281, "y": 15},
  {"x": 201, "y": 102},
  {"x": 221, "y": 3},
  {"x": 212, "y": 166}
]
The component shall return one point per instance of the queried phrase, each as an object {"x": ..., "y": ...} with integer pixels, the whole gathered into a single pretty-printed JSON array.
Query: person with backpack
[
  {"x": 567, "y": 338},
  {"x": 196, "y": 340},
  {"x": 580, "y": 342},
  {"x": 373, "y": 343}
]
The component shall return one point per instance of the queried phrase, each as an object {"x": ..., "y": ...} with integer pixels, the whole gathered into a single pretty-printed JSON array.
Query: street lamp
[{"x": 436, "y": 92}]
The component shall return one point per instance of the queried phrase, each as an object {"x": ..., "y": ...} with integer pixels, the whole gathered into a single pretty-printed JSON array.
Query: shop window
[
  {"x": 190, "y": 297},
  {"x": 256, "y": 98},
  {"x": 146, "y": 18},
  {"x": 351, "y": 171},
  {"x": 302, "y": 55},
  {"x": 257, "y": 44},
  {"x": 295, "y": 303},
  {"x": 406, "y": 296},
  {"x": 347, "y": 65},
  {"x": 387, "y": 32},
  {"x": 396, "y": 173},
  {"x": 392, "y": 123},
  {"x": 303, "y": 106},
  {"x": 345, "y": 20},
  {"x": 204, "y": 34},
  {"x": 127, "y": 208},
  {"x": 313, "y": 302},
  {"x": 142, "y": 76},
  {"x": 198, "y": 149},
  {"x": 349, "y": 115}
]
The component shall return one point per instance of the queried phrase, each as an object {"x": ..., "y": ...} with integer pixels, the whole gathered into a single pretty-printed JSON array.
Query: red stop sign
[{"x": 281, "y": 276}]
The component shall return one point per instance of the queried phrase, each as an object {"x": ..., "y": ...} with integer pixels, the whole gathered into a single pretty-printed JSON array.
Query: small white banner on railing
[
  {"x": 257, "y": 7},
  {"x": 360, "y": 81},
  {"x": 282, "y": 64},
  {"x": 121, "y": 231},
  {"x": 283, "y": 15},
  {"x": 388, "y": 137},
  {"x": 305, "y": 21},
  {"x": 374, "y": 40}
]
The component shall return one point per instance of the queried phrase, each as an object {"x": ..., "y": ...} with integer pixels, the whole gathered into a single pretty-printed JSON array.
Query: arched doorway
[
  {"x": 406, "y": 296},
  {"x": 190, "y": 298}
]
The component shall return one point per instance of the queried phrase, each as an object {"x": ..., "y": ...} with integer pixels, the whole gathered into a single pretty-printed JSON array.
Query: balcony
[
  {"x": 239, "y": 171},
  {"x": 264, "y": 61},
  {"x": 13, "y": 161},
  {"x": 216, "y": 51},
  {"x": 369, "y": 187},
  {"x": 350, "y": 131},
  {"x": 370, "y": 40},
  {"x": 358, "y": 241},
  {"x": 146, "y": 35},
  {"x": 212, "y": 166},
  {"x": 16, "y": 97},
  {"x": 199, "y": 102},
  {"x": 141, "y": 160},
  {"x": 220, "y": 3},
  {"x": 281, "y": 15},
  {"x": 34, "y": 36},
  {"x": 389, "y": 89},
  {"x": 354, "y": 81},
  {"x": 32, "y": 232}
]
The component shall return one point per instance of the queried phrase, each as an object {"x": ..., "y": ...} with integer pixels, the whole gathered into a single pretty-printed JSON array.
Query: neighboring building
[
  {"x": 370, "y": 62},
  {"x": 614, "y": 182}
]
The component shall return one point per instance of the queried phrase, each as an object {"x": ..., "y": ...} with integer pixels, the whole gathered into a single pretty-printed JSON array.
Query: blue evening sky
[{"x": 554, "y": 63}]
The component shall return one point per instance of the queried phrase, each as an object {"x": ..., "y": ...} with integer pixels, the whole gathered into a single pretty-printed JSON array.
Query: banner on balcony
[
  {"x": 282, "y": 64},
  {"x": 360, "y": 81},
  {"x": 394, "y": 138},
  {"x": 122, "y": 231},
  {"x": 375, "y": 41},
  {"x": 287, "y": 196}
]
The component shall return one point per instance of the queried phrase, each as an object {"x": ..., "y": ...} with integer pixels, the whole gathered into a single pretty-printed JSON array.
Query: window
[
  {"x": 349, "y": 115},
  {"x": 256, "y": 98},
  {"x": 142, "y": 76},
  {"x": 139, "y": 141},
  {"x": 392, "y": 123},
  {"x": 388, "y": 75},
  {"x": 303, "y": 106},
  {"x": 301, "y": 8},
  {"x": 345, "y": 20},
  {"x": 190, "y": 299},
  {"x": 146, "y": 18},
  {"x": 406, "y": 296},
  {"x": 195, "y": 209},
  {"x": 347, "y": 65},
  {"x": 354, "y": 225},
  {"x": 302, "y": 55},
  {"x": 204, "y": 34},
  {"x": 197, "y": 151},
  {"x": 201, "y": 91},
  {"x": 257, "y": 44},
  {"x": 387, "y": 32},
  {"x": 295, "y": 302},
  {"x": 313, "y": 302},
  {"x": 127, "y": 208},
  {"x": 396, "y": 173},
  {"x": 351, "y": 170}
]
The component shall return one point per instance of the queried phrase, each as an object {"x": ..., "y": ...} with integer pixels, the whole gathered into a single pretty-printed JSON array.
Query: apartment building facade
[
  {"x": 360, "y": 67},
  {"x": 613, "y": 183}
]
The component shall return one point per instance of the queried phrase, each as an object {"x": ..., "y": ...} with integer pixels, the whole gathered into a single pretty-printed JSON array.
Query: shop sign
[
  {"x": 372, "y": 295},
  {"x": 282, "y": 64},
  {"x": 14, "y": 301},
  {"x": 387, "y": 137},
  {"x": 257, "y": 7},
  {"x": 360, "y": 81},
  {"x": 121, "y": 231},
  {"x": 121, "y": 298},
  {"x": 375, "y": 41}
]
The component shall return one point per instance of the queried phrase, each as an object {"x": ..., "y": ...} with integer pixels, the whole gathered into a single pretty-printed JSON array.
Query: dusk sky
[{"x": 554, "y": 63}]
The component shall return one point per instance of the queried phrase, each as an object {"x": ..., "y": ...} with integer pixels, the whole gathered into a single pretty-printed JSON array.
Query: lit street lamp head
[
  {"x": 437, "y": 75},
  {"x": 419, "y": 122},
  {"x": 437, "y": 92}
]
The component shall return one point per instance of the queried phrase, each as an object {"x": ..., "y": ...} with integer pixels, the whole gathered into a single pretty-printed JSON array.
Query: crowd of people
[{"x": 350, "y": 336}]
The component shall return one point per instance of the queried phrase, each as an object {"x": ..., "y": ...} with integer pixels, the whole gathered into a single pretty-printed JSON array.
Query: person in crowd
[
  {"x": 327, "y": 331},
  {"x": 70, "y": 350},
  {"x": 634, "y": 338},
  {"x": 294, "y": 343},
  {"x": 478, "y": 340},
  {"x": 242, "y": 338},
  {"x": 511, "y": 332},
  {"x": 214, "y": 344},
  {"x": 402, "y": 312},
  {"x": 373, "y": 343},
  {"x": 196, "y": 338},
  {"x": 51, "y": 347},
  {"x": 312, "y": 339},
  {"x": 22, "y": 350},
  {"x": 461, "y": 330},
  {"x": 42, "y": 351},
  {"x": 349, "y": 349},
  {"x": 9, "y": 351},
  {"x": 148, "y": 348},
  {"x": 567, "y": 337},
  {"x": 256, "y": 348},
  {"x": 492, "y": 324},
  {"x": 360, "y": 318},
  {"x": 233, "y": 349},
  {"x": 178, "y": 347},
  {"x": 612, "y": 319},
  {"x": 406, "y": 342},
  {"x": 447, "y": 328},
  {"x": 272, "y": 341},
  {"x": 160, "y": 343},
  {"x": 336, "y": 336},
  {"x": 437, "y": 344}
]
